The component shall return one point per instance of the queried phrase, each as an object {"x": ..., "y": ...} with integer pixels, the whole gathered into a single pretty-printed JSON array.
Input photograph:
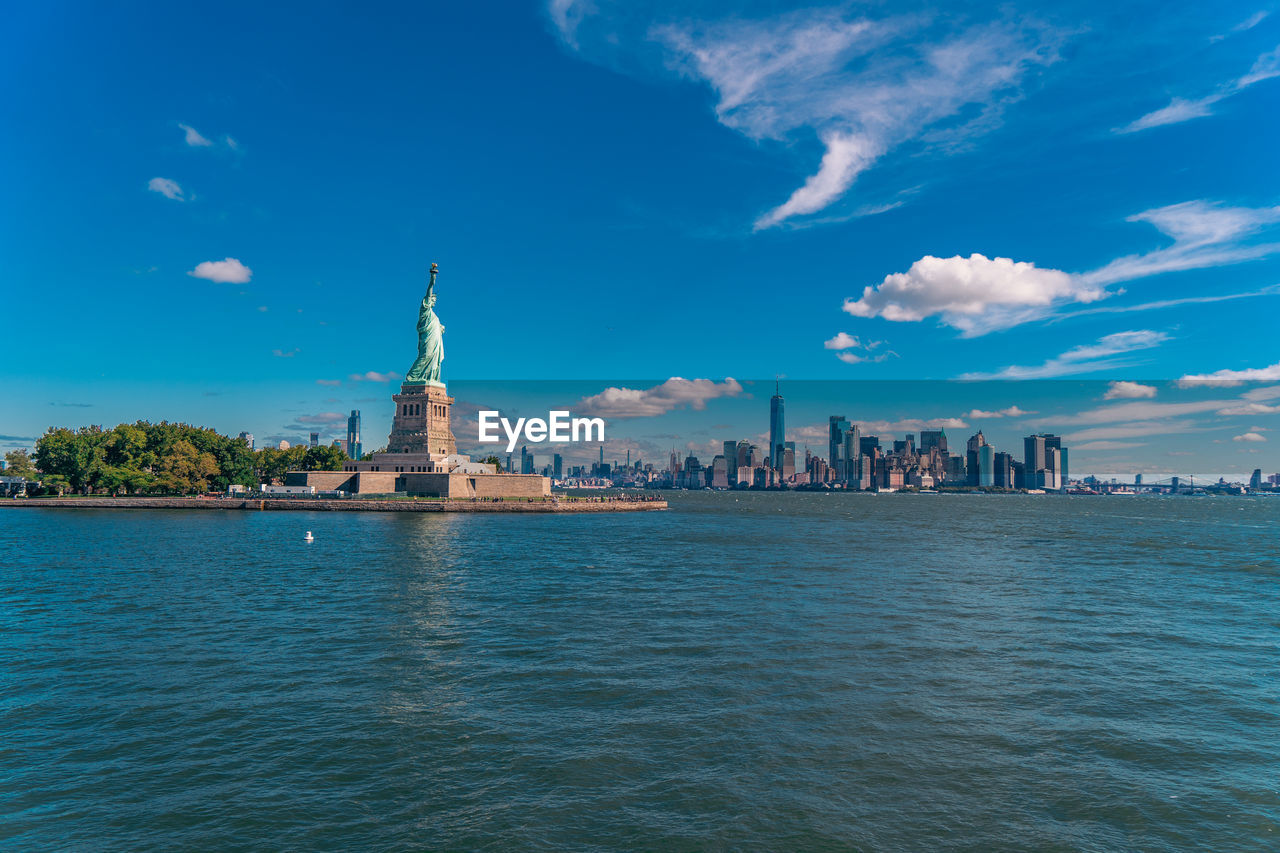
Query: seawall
[{"x": 342, "y": 505}]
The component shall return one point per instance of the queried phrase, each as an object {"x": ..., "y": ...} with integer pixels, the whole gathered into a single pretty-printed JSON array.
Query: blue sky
[{"x": 207, "y": 212}]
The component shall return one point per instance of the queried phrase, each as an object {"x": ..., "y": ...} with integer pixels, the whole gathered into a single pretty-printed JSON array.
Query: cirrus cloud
[{"x": 1227, "y": 377}]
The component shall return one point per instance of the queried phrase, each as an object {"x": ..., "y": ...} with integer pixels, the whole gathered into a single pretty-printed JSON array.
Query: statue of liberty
[{"x": 426, "y": 368}]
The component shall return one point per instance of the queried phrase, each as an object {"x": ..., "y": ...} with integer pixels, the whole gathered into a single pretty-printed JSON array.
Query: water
[{"x": 753, "y": 671}]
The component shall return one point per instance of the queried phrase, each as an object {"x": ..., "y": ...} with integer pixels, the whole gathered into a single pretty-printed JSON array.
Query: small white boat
[{"x": 308, "y": 537}]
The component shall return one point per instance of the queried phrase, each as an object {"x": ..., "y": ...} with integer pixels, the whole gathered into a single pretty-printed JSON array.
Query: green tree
[
  {"x": 185, "y": 468},
  {"x": 17, "y": 463},
  {"x": 491, "y": 459},
  {"x": 326, "y": 457}
]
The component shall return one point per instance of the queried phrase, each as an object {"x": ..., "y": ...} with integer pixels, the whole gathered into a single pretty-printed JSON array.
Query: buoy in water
[{"x": 308, "y": 537}]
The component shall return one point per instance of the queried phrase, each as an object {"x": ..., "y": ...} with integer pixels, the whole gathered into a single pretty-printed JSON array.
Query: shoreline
[{"x": 343, "y": 505}]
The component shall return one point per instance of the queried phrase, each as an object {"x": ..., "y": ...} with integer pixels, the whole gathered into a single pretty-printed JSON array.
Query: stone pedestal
[{"x": 421, "y": 423}]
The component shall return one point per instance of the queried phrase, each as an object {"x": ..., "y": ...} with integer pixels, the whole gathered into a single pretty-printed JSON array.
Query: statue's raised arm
[{"x": 426, "y": 368}]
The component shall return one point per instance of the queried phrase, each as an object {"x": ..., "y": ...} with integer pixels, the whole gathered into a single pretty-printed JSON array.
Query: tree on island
[
  {"x": 164, "y": 458},
  {"x": 17, "y": 463},
  {"x": 493, "y": 460}
]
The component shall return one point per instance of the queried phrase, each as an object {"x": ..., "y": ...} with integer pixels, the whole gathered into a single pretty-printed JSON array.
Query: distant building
[
  {"x": 1255, "y": 481},
  {"x": 557, "y": 466},
  {"x": 933, "y": 438},
  {"x": 777, "y": 428},
  {"x": 354, "y": 449},
  {"x": 837, "y": 426},
  {"x": 526, "y": 460},
  {"x": 315, "y": 439},
  {"x": 1002, "y": 476},
  {"x": 719, "y": 473},
  {"x": 971, "y": 461},
  {"x": 247, "y": 438},
  {"x": 1045, "y": 461},
  {"x": 731, "y": 460},
  {"x": 986, "y": 466}
]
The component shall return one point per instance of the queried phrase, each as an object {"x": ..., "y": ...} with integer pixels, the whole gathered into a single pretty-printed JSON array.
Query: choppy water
[{"x": 774, "y": 672}]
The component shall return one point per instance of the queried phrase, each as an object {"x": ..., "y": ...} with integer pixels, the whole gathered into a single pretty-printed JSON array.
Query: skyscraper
[
  {"x": 931, "y": 438},
  {"x": 557, "y": 466},
  {"x": 971, "y": 461},
  {"x": 247, "y": 437},
  {"x": 986, "y": 466},
  {"x": 315, "y": 439},
  {"x": 777, "y": 427},
  {"x": 1046, "y": 462},
  {"x": 353, "y": 435},
  {"x": 837, "y": 426},
  {"x": 731, "y": 460}
]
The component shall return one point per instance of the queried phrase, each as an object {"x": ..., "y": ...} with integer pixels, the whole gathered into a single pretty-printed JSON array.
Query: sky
[{"x": 224, "y": 214}]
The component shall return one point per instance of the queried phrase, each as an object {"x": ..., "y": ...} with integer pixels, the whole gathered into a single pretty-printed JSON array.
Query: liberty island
[{"x": 421, "y": 460}]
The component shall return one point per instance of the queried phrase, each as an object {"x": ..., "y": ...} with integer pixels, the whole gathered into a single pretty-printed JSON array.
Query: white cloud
[
  {"x": 1204, "y": 235},
  {"x": 1228, "y": 378},
  {"x": 1122, "y": 390},
  {"x": 1011, "y": 412},
  {"x": 193, "y": 137},
  {"x": 167, "y": 188},
  {"x": 647, "y": 402},
  {"x": 374, "y": 376},
  {"x": 846, "y": 157},
  {"x": 329, "y": 382},
  {"x": 976, "y": 294},
  {"x": 846, "y": 343},
  {"x": 1249, "y": 436},
  {"x": 1179, "y": 110},
  {"x": 225, "y": 271},
  {"x": 861, "y": 86},
  {"x": 279, "y": 353},
  {"x": 843, "y": 340},
  {"x": 1083, "y": 359}
]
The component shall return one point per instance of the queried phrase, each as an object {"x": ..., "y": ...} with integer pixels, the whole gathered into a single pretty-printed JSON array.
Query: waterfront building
[
  {"x": 719, "y": 475},
  {"x": 777, "y": 428},
  {"x": 986, "y": 466},
  {"x": 1002, "y": 476},
  {"x": 1044, "y": 462},
  {"x": 788, "y": 469}
]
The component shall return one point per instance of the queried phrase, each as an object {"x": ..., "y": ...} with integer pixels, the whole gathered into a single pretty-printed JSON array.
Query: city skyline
[{"x": 827, "y": 193}]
